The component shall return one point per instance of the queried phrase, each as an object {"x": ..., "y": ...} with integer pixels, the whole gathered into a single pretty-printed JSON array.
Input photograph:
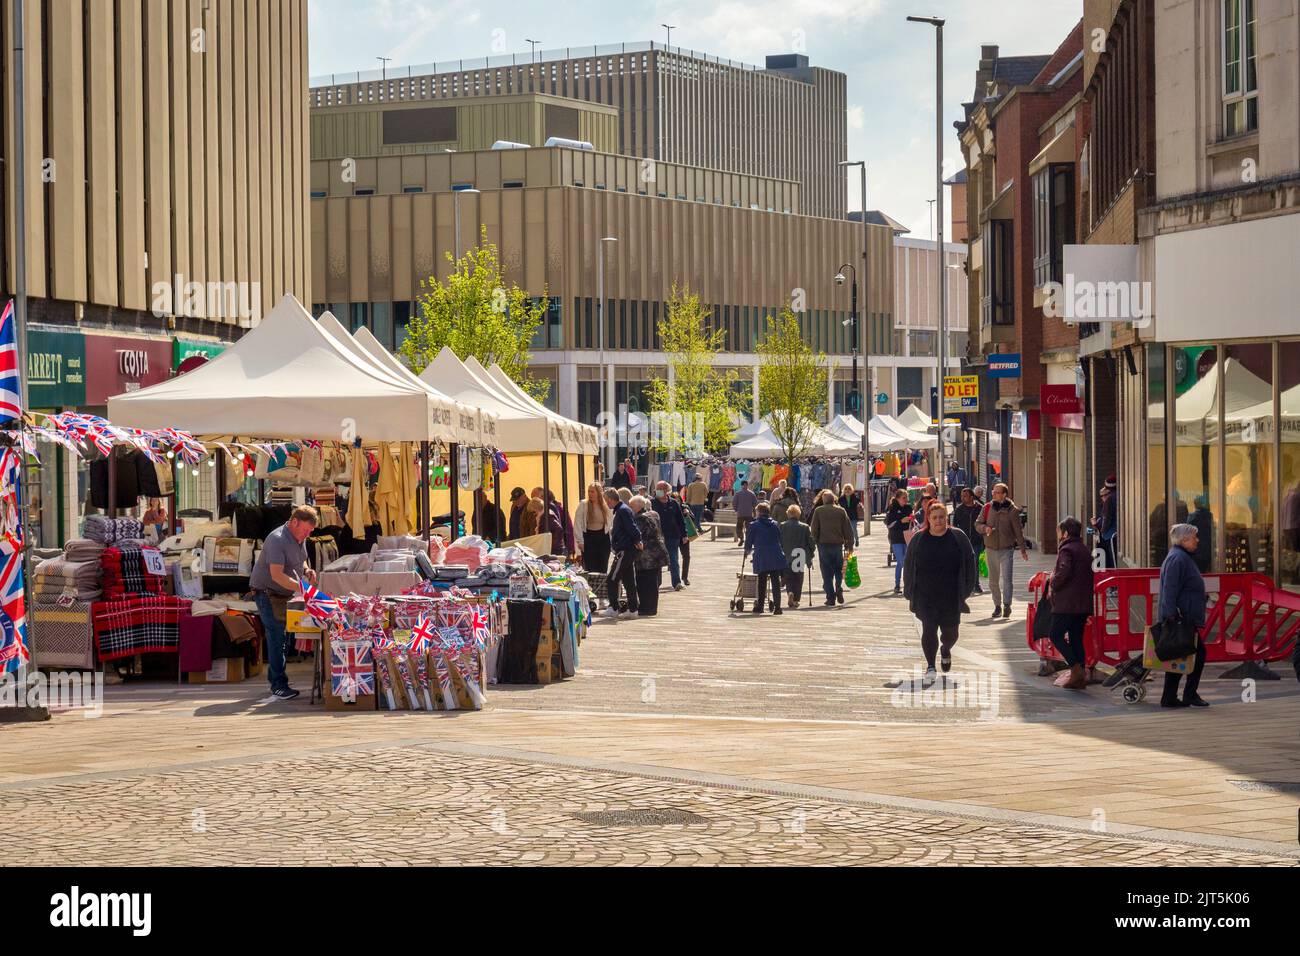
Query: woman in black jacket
[
  {"x": 898, "y": 521},
  {"x": 650, "y": 560},
  {"x": 1072, "y": 599},
  {"x": 939, "y": 574}
]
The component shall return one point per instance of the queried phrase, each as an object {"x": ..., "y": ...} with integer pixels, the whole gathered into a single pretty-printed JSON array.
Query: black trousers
[
  {"x": 763, "y": 578},
  {"x": 1193, "y": 679},
  {"x": 930, "y": 639},
  {"x": 686, "y": 559},
  {"x": 794, "y": 583},
  {"x": 623, "y": 575},
  {"x": 647, "y": 586},
  {"x": 1067, "y": 634},
  {"x": 595, "y": 551}
]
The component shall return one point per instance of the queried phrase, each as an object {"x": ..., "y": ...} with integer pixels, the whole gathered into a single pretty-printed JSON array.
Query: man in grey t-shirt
[
  {"x": 280, "y": 570},
  {"x": 744, "y": 502}
]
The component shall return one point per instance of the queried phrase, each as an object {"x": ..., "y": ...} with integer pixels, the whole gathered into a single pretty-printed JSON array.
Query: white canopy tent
[
  {"x": 764, "y": 444},
  {"x": 287, "y": 378},
  {"x": 461, "y": 420},
  {"x": 519, "y": 428},
  {"x": 849, "y": 428},
  {"x": 915, "y": 420},
  {"x": 579, "y": 439},
  {"x": 910, "y": 437}
]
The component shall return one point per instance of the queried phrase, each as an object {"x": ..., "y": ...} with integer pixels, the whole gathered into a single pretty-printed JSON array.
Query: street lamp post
[
  {"x": 456, "y": 202},
  {"x": 862, "y": 345},
  {"x": 670, "y": 34},
  {"x": 937, "y": 23},
  {"x": 600, "y": 326}
]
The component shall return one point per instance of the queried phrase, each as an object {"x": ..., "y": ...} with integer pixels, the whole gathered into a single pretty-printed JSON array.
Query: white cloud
[{"x": 857, "y": 117}]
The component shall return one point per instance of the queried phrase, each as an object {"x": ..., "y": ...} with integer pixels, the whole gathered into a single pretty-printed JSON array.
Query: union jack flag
[
  {"x": 11, "y": 401},
  {"x": 13, "y": 604},
  {"x": 423, "y": 636},
  {"x": 352, "y": 670},
  {"x": 322, "y": 608}
]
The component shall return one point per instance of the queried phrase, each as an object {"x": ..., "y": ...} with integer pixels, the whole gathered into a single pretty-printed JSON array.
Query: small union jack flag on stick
[{"x": 322, "y": 608}]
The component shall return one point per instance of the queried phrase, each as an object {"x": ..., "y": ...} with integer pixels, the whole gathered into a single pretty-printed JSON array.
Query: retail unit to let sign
[{"x": 961, "y": 394}]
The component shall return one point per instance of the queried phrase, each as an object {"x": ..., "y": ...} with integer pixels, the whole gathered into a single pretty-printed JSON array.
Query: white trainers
[
  {"x": 610, "y": 613},
  {"x": 627, "y": 614}
]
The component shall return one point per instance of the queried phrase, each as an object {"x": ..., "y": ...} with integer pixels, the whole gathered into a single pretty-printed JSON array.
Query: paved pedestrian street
[{"x": 697, "y": 737}]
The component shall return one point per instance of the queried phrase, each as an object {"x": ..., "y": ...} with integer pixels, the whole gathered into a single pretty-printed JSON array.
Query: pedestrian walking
[
  {"x": 938, "y": 576},
  {"x": 686, "y": 541},
  {"x": 697, "y": 497},
  {"x": 999, "y": 523},
  {"x": 651, "y": 559},
  {"x": 834, "y": 537},
  {"x": 596, "y": 523},
  {"x": 743, "y": 503},
  {"x": 764, "y": 540},
  {"x": 626, "y": 543},
  {"x": 1182, "y": 594},
  {"x": 781, "y": 502},
  {"x": 899, "y": 519},
  {"x": 851, "y": 502},
  {"x": 673, "y": 523},
  {"x": 1071, "y": 592},
  {"x": 965, "y": 518},
  {"x": 798, "y": 546}
]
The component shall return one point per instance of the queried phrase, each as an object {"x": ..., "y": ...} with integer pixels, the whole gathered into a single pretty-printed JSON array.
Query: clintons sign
[{"x": 1060, "y": 400}]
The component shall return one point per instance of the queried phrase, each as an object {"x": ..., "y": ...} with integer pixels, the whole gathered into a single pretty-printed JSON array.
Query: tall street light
[
  {"x": 670, "y": 32},
  {"x": 457, "y": 194},
  {"x": 600, "y": 326},
  {"x": 862, "y": 345},
  {"x": 937, "y": 23}
]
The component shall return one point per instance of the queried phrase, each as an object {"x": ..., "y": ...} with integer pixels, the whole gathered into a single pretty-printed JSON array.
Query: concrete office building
[
  {"x": 787, "y": 120},
  {"x": 166, "y": 194},
  {"x": 389, "y": 169}
]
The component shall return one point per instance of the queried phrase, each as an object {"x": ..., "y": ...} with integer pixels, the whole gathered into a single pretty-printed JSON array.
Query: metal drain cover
[
  {"x": 640, "y": 818},
  {"x": 1266, "y": 786}
]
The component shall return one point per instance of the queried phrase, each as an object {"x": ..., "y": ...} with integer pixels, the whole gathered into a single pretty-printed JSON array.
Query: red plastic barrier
[{"x": 1248, "y": 618}]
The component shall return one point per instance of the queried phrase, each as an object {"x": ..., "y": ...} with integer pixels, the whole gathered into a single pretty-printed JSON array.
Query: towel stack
[{"x": 60, "y": 577}]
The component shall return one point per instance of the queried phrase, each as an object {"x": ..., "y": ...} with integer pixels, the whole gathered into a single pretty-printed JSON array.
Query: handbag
[
  {"x": 1175, "y": 638},
  {"x": 1043, "y": 617}
]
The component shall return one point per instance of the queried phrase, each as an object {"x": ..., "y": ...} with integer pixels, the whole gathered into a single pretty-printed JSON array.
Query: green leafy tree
[
  {"x": 695, "y": 413},
  {"x": 475, "y": 312},
  {"x": 791, "y": 384}
]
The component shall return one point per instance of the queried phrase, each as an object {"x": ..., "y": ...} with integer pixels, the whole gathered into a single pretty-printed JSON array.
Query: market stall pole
[
  {"x": 423, "y": 515},
  {"x": 453, "y": 487}
]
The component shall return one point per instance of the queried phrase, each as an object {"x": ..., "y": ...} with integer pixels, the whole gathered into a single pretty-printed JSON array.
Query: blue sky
[{"x": 889, "y": 62}]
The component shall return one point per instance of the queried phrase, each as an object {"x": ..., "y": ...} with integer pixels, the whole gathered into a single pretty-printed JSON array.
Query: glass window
[
  {"x": 1198, "y": 478},
  {"x": 1288, "y": 367},
  {"x": 402, "y": 313},
  {"x": 1249, "y": 468},
  {"x": 381, "y": 323},
  {"x": 360, "y": 315},
  {"x": 1240, "y": 82}
]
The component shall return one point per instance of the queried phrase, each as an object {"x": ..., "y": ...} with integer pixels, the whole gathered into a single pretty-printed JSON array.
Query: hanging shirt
[
  {"x": 742, "y": 474},
  {"x": 715, "y": 478}
]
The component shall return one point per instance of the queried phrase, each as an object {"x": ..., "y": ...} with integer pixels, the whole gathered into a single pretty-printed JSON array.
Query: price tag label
[{"x": 153, "y": 562}]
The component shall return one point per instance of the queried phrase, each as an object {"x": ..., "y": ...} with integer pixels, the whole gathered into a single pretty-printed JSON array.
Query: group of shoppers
[{"x": 782, "y": 549}]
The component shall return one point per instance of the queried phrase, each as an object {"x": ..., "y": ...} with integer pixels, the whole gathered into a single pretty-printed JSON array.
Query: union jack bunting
[
  {"x": 322, "y": 608},
  {"x": 11, "y": 402},
  {"x": 352, "y": 670}
]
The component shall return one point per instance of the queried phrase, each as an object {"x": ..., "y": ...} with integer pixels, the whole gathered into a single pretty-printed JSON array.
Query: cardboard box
[
  {"x": 225, "y": 671},
  {"x": 298, "y": 621},
  {"x": 545, "y": 672}
]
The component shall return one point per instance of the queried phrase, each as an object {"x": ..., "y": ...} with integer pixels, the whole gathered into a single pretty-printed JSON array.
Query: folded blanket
[
  {"x": 83, "y": 549},
  {"x": 139, "y": 624},
  {"x": 125, "y": 574},
  {"x": 61, "y": 569},
  {"x": 66, "y": 637},
  {"x": 105, "y": 530}
]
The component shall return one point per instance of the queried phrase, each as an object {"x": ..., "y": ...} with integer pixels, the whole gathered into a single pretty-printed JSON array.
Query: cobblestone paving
[{"x": 411, "y": 805}]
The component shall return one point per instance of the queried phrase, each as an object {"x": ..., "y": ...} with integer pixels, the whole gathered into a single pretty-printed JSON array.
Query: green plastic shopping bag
[
  {"x": 984, "y": 565},
  {"x": 852, "y": 579}
]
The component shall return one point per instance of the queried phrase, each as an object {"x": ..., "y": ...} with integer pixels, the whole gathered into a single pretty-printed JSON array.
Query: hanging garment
[
  {"x": 357, "y": 510},
  {"x": 715, "y": 478}
]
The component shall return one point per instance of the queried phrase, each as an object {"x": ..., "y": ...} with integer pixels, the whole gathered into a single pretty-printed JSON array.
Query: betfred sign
[
  {"x": 1004, "y": 366},
  {"x": 1060, "y": 400},
  {"x": 117, "y": 365}
]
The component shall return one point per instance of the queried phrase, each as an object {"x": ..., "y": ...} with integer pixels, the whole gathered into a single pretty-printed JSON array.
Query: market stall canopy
[
  {"x": 581, "y": 439},
  {"x": 911, "y": 438},
  {"x": 458, "y": 423},
  {"x": 916, "y": 420},
  {"x": 287, "y": 378},
  {"x": 849, "y": 428},
  {"x": 764, "y": 444},
  {"x": 519, "y": 429}
]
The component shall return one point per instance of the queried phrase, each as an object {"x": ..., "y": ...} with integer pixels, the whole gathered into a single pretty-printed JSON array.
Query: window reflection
[
  {"x": 1198, "y": 481},
  {"x": 1249, "y": 464},
  {"x": 1289, "y": 384}
]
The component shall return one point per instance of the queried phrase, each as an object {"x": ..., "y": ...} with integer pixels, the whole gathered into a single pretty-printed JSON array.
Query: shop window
[
  {"x": 1288, "y": 367},
  {"x": 1198, "y": 474},
  {"x": 1249, "y": 465}
]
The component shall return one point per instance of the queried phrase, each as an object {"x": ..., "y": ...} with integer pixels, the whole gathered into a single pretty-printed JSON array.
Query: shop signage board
[
  {"x": 1026, "y": 426},
  {"x": 1060, "y": 400},
  {"x": 56, "y": 369},
  {"x": 183, "y": 349},
  {"x": 1004, "y": 366},
  {"x": 961, "y": 394},
  {"x": 116, "y": 365}
]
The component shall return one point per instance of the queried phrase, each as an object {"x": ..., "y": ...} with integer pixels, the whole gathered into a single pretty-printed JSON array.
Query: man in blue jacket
[
  {"x": 625, "y": 542},
  {"x": 1182, "y": 593},
  {"x": 673, "y": 522}
]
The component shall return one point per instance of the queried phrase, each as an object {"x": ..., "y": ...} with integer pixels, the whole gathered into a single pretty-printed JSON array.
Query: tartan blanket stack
[
  {"x": 139, "y": 624},
  {"x": 125, "y": 574}
]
